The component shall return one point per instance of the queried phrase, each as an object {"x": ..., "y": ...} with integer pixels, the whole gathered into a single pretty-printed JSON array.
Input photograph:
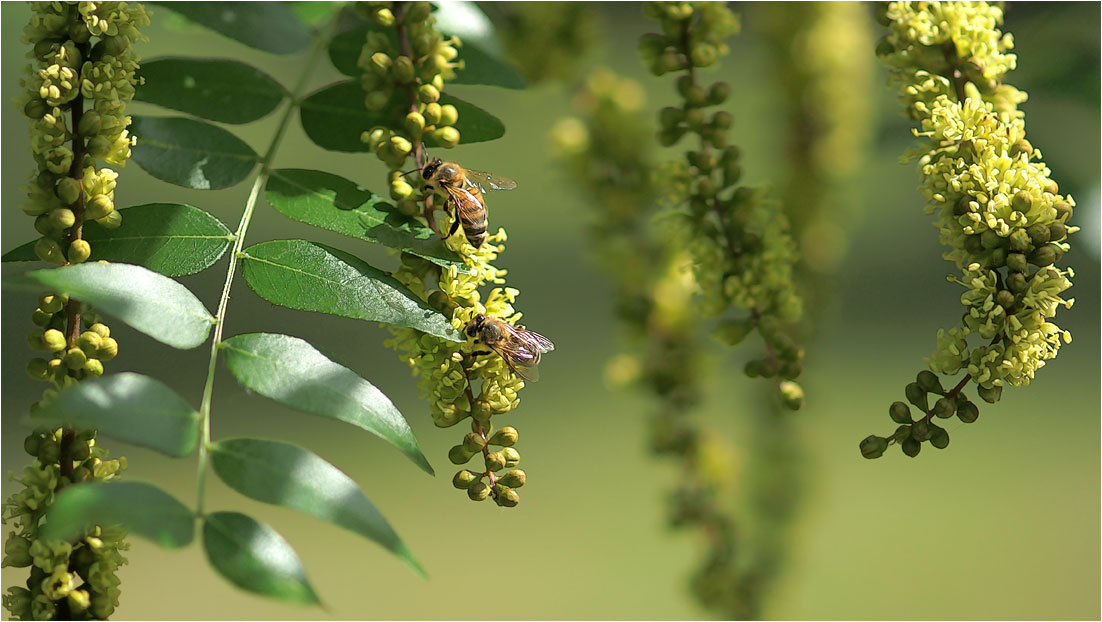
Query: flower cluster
[
  {"x": 68, "y": 580},
  {"x": 82, "y": 53},
  {"x": 70, "y": 362},
  {"x": 741, "y": 250},
  {"x": 449, "y": 373},
  {"x": 999, "y": 212}
]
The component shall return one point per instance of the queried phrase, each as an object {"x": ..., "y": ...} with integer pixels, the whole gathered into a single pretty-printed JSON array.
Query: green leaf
[
  {"x": 482, "y": 65},
  {"x": 291, "y": 371},
  {"x": 170, "y": 238},
  {"x": 216, "y": 89},
  {"x": 191, "y": 153},
  {"x": 255, "y": 558},
  {"x": 334, "y": 117},
  {"x": 153, "y": 304},
  {"x": 313, "y": 12},
  {"x": 314, "y": 277},
  {"x": 283, "y": 474},
  {"x": 340, "y": 205},
  {"x": 130, "y": 407},
  {"x": 143, "y": 509},
  {"x": 268, "y": 26}
]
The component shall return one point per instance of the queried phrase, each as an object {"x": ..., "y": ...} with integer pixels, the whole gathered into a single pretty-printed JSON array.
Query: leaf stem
[{"x": 238, "y": 244}]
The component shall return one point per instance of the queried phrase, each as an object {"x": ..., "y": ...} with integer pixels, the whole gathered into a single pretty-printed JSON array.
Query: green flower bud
[
  {"x": 1017, "y": 282},
  {"x": 717, "y": 93},
  {"x": 929, "y": 382},
  {"x": 79, "y": 600},
  {"x": 1063, "y": 210},
  {"x": 945, "y": 407},
  {"x": 733, "y": 332},
  {"x": 98, "y": 207},
  {"x": 17, "y": 551},
  {"x": 473, "y": 442},
  {"x": 505, "y": 437},
  {"x": 1019, "y": 241},
  {"x": 1006, "y": 300},
  {"x": 478, "y": 491},
  {"x": 666, "y": 62},
  {"x": 704, "y": 54},
  {"x": 402, "y": 70},
  {"x": 111, "y": 221},
  {"x": 376, "y": 100},
  {"x": 722, "y": 120},
  {"x": 495, "y": 461},
  {"x": 460, "y": 455},
  {"x": 911, "y": 447},
  {"x": 400, "y": 189},
  {"x": 109, "y": 349},
  {"x": 79, "y": 451},
  {"x": 53, "y": 340},
  {"x": 669, "y": 136},
  {"x": 1042, "y": 257},
  {"x": 414, "y": 123},
  {"x": 100, "y": 329},
  {"x": 1017, "y": 261},
  {"x": 75, "y": 358},
  {"x": 513, "y": 479},
  {"x": 36, "y": 108},
  {"x": 41, "y": 318},
  {"x": 449, "y": 114},
  {"x": 447, "y": 137},
  {"x": 99, "y": 146},
  {"x": 37, "y": 369},
  {"x": 1022, "y": 201},
  {"x": 35, "y": 341},
  {"x": 400, "y": 145},
  {"x": 433, "y": 112},
  {"x": 32, "y": 443},
  {"x": 507, "y": 497},
  {"x": 792, "y": 395},
  {"x": 989, "y": 239},
  {"x": 900, "y": 413},
  {"x": 967, "y": 412},
  {"x": 670, "y": 116},
  {"x": 79, "y": 251},
  {"x": 696, "y": 97},
  {"x": 428, "y": 93},
  {"x": 1057, "y": 231},
  {"x": 93, "y": 368},
  {"x": 917, "y": 396},
  {"x": 873, "y": 447},
  {"x": 732, "y": 172},
  {"x": 512, "y": 457},
  {"x": 68, "y": 190},
  {"x": 417, "y": 12},
  {"x": 920, "y": 430},
  {"x": 939, "y": 437},
  {"x": 52, "y": 303},
  {"x": 62, "y": 218},
  {"x": 90, "y": 123},
  {"x": 990, "y": 394},
  {"x": 49, "y": 452},
  {"x": 463, "y": 479},
  {"x": 382, "y": 16}
]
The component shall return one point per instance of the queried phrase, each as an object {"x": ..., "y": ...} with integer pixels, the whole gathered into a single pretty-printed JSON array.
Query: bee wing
[
  {"x": 464, "y": 200},
  {"x": 521, "y": 351},
  {"x": 485, "y": 180}
]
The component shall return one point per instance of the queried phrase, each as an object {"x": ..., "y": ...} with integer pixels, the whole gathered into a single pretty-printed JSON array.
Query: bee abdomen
[{"x": 474, "y": 228}]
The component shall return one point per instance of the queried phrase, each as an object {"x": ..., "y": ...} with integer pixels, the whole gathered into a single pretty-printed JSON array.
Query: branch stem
[{"x": 236, "y": 254}]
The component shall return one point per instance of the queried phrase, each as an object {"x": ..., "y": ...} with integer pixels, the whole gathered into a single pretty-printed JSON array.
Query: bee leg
[
  {"x": 455, "y": 227},
  {"x": 480, "y": 353}
]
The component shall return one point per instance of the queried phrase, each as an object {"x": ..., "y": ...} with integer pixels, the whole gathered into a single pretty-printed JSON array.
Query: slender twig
[{"x": 236, "y": 254}]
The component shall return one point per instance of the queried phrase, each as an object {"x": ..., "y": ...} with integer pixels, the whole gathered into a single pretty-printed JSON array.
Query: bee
[
  {"x": 518, "y": 347},
  {"x": 463, "y": 188}
]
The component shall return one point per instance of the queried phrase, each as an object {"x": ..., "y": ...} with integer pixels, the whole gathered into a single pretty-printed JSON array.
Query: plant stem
[{"x": 235, "y": 255}]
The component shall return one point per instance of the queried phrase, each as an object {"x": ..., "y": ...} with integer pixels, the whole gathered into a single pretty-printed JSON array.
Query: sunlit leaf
[
  {"x": 291, "y": 371},
  {"x": 268, "y": 26},
  {"x": 334, "y": 117},
  {"x": 287, "y": 475},
  {"x": 314, "y": 277},
  {"x": 169, "y": 238},
  {"x": 191, "y": 153},
  {"x": 130, "y": 407},
  {"x": 255, "y": 558},
  {"x": 149, "y": 302},
  {"x": 144, "y": 510},
  {"x": 216, "y": 89},
  {"x": 337, "y": 204}
]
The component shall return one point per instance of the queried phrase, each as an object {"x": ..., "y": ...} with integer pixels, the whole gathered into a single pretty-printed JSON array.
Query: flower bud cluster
[
  {"x": 69, "y": 363},
  {"x": 998, "y": 210},
  {"x": 741, "y": 250},
  {"x": 69, "y": 580},
  {"x": 404, "y": 77},
  {"x": 449, "y": 373},
  {"x": 547, "y": 41},
  {"x": 82, "y": 53}
]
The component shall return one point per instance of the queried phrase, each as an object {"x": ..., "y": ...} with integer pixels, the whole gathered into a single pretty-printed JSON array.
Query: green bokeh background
[{"x": 1004, "y": 524}]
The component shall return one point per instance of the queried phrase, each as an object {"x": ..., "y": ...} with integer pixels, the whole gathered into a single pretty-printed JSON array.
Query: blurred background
[{"x": 1003, "y": 524}]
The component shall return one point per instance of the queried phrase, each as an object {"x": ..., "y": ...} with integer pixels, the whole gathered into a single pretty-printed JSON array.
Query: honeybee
[
  {"x": 463, "y": 188},
  {"x": 518, "y": 347}
]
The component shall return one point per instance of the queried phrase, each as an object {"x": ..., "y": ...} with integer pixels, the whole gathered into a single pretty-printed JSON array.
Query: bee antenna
[{"x": 416, "y": 170}]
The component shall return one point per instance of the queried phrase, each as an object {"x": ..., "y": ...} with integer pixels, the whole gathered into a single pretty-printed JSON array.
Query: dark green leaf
[
  {"x": 313, "y": 12},
  {"x": 170, "y": 238},
  {"x": 216, "y": 89},
  {"x": 130, "y": 407},
  {"x": 268, "y": 26},
  {"x": 334, "y": 118},
  {"x": 191, "y": 153},
  {"x": 255, "y": 558},
  {"x": 283, "y": 474},
  {"x": 340, "y": 205},
  {"x": 143, "y": 509},
  {"x": 291, "y": 371},
  {"x": 314, "y": 277},
  {"x": 481, "y": 66},
  {"x": 153, "y": 304}
]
